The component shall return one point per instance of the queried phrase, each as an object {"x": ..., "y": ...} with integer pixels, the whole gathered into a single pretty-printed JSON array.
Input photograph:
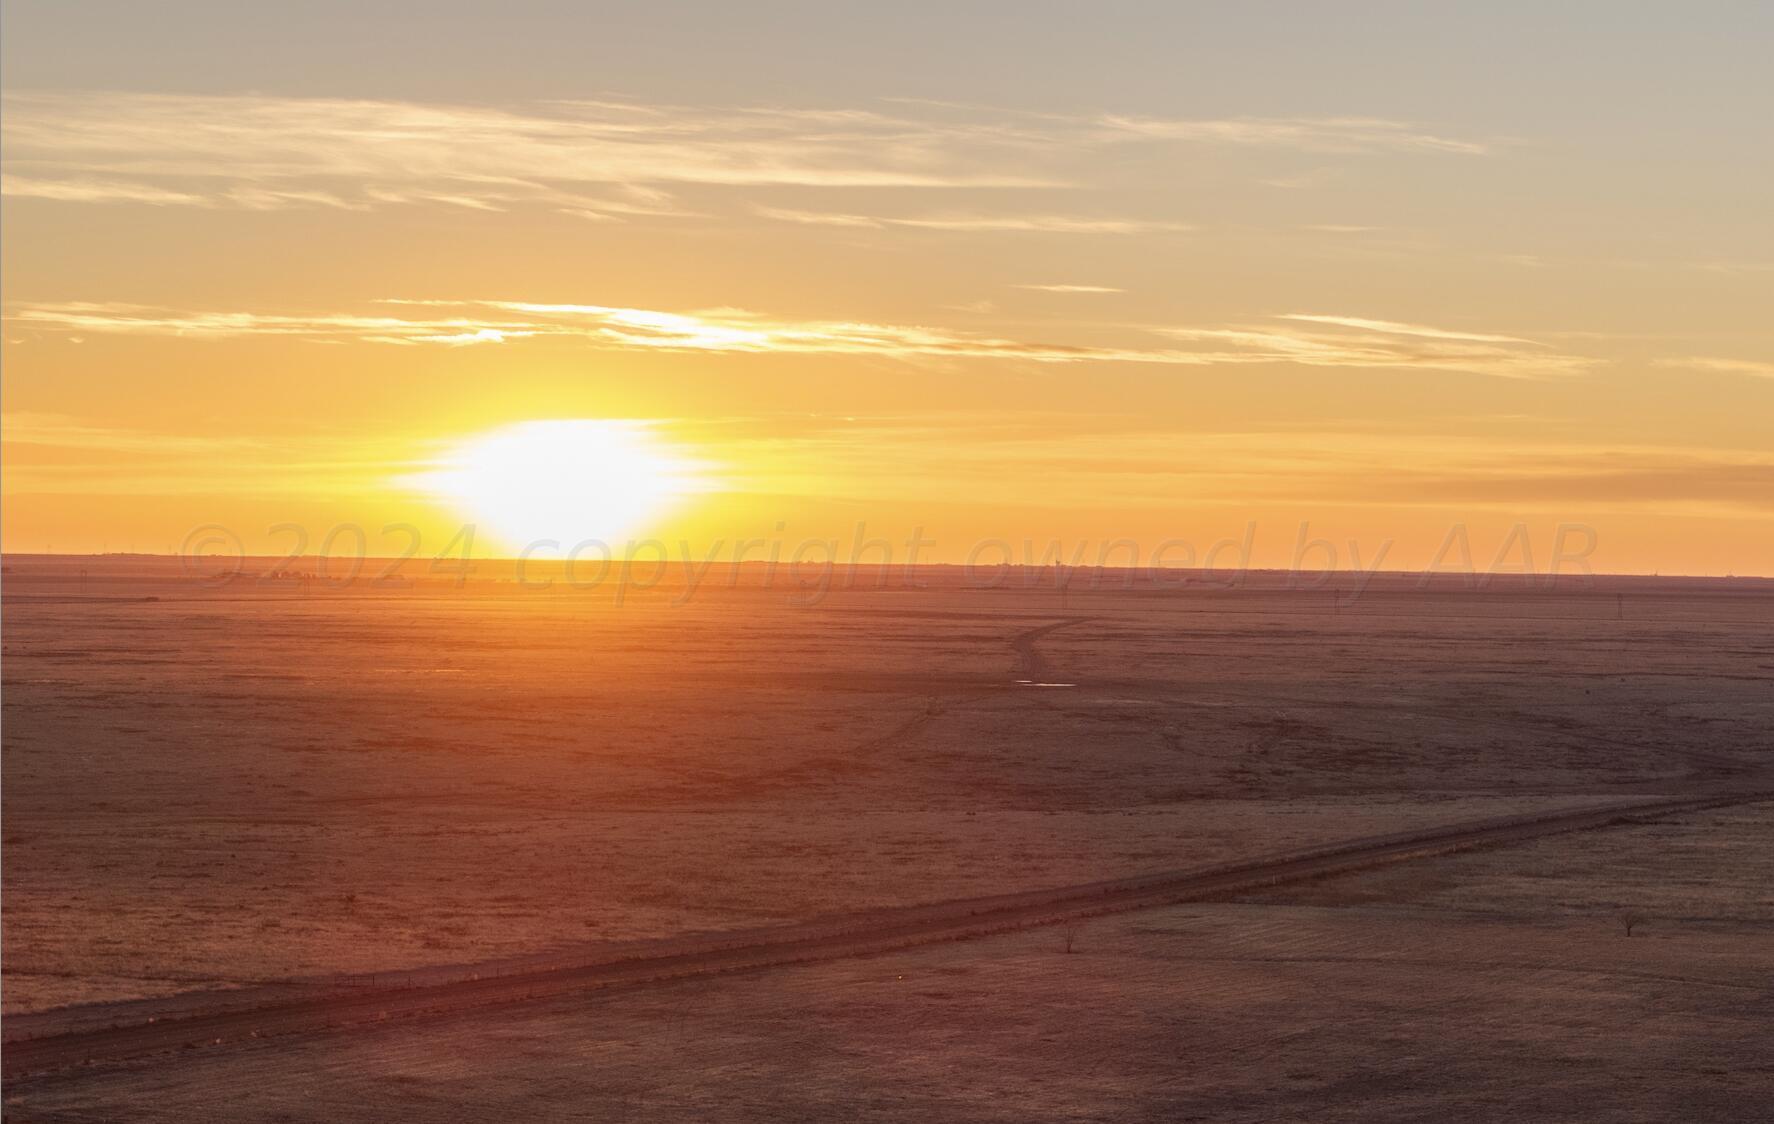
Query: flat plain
[{"x": 216, "y": 787}]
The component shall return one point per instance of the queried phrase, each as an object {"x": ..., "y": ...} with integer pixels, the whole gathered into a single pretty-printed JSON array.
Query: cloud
[
  {"x": 1392, "y": 327},
  {"x": 821, "y": 218},
  {"x": 264, "y": 152},
  {"x": 1741, "y": 268},
  {"x": 243, "y": 150},
  {"x": 1070, "y": 288},
  {"x": 1351, "y": 341},
  {"x": 64, "y": 432},
  {"x": 76, "y": 190},
  {"x": 57, "y": 454},
  {"x": 1751, "y": 367},
  {"x": 1304, "y": 134},
  {"x": 1297, "y": 339},
  {"x": 1019, "y": 223},
  {"x": 1662, "y": 483},
  {"x": 135, "y": 319},
  {"x": 1091, "y": 459}
]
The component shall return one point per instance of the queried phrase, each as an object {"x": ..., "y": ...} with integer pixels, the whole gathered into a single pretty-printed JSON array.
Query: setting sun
[{"x": 552, "y": 484}]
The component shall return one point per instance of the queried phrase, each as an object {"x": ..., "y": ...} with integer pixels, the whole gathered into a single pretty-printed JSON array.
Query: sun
[{"x": 546, "y": 486}]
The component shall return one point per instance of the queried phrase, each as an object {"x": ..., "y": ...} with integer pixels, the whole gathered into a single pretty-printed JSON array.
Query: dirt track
[
  {"x": 860, "y": 934},
  {"x": 1032, "y": 667}
]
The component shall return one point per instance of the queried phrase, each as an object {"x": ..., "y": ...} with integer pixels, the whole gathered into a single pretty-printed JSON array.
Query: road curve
[
  {"x": 1031, "y": 666},
  {"x": 859, "y": 934}
]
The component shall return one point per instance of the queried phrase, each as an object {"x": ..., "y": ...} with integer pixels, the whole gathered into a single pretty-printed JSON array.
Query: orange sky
[{"x": 1155, "y": 277}]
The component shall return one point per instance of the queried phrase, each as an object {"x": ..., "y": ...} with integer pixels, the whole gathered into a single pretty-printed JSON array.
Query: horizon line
[{"x": 708, "y": 564}]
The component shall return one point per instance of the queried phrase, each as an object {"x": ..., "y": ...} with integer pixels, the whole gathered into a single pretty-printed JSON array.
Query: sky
[{"x": 979, "y": 274}]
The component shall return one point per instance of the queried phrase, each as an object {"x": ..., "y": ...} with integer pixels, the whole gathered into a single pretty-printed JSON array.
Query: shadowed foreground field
[
  {"x": 211, "y": 787},
  {"x": 1379, "y": 997}
]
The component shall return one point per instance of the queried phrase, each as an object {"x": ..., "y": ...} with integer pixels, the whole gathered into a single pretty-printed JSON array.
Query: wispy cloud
[
  {"x": 1752, "y": 367},
  {"x": 143, "y": 320},
  {"x": 1305, "y": 134},
  {"x": 1348, "y": 341},
  {"x": 1107, "y": 458},
  {"x": 229, "y": 150},
  {"x": 61, "y": 431},
  {"x": 1018, "y": 223},
  {"x": 76, "y": 189},
  {"x": 58, "y": 454},
  {"x": 1336, "y": 134},
  {"x": 1394, "y": 328},
  {"x": 263, "y": 152},
  {"x": 1070, "y": 288},
  {"x": 1738, "y": 268},
  {"x": 1297, "y": 339}
]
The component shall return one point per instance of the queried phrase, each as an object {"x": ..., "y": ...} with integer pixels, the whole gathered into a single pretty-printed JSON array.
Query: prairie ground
[
  {"x": 217, "y": 786},
  {"x": 1490, "y": 985}
]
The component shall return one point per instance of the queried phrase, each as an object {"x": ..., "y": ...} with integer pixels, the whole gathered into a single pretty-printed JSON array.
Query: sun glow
[{"x": 548, "y": 485}]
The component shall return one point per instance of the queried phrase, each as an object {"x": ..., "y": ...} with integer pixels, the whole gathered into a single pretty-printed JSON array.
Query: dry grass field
[
  {"x": 1495, "y": 985},
  {"x": 217, "y": 786}
]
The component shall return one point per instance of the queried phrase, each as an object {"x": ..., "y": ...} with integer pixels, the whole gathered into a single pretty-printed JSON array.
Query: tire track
[{"x": 1031, "y": 666}]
